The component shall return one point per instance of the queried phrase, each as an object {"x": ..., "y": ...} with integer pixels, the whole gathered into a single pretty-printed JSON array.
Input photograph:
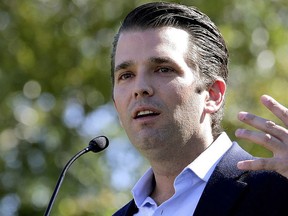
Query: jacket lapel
[
  {"x": 128, "y": 210},
  {"x": 224, "y": 186}
]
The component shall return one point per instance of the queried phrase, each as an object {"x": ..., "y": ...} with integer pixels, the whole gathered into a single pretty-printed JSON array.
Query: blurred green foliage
[{"x": 56, "y": 95}]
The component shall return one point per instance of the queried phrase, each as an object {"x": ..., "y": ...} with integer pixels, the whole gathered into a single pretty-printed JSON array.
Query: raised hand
[{"x": 269, "y": 135}]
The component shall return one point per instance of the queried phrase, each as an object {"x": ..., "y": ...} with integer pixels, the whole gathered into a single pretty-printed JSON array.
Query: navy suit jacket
[{"x": 231, "y": 191}]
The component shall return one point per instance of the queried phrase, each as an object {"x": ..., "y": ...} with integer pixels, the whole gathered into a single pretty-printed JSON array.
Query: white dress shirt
[{"x": 189, "y": 184}]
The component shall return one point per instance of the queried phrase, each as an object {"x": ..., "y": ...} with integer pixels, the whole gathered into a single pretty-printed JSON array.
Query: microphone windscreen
[{"x": 98, "y": 144}]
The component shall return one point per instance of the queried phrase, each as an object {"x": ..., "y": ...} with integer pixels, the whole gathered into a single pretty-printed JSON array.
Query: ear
[{"x": 215, "y": 96}]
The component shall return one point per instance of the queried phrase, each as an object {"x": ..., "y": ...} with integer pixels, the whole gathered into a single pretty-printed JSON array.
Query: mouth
[{"x": 145, "y": 113}]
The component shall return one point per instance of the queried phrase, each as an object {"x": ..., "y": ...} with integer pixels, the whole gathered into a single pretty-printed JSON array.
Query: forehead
[{"x": 142, "y": 44}]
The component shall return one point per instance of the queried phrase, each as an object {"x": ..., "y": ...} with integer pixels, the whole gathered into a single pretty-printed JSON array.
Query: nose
[{"x": 143, "y": 87}]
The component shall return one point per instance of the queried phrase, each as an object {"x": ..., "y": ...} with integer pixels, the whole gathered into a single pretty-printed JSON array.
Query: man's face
[{"x": 155, "y": 91}]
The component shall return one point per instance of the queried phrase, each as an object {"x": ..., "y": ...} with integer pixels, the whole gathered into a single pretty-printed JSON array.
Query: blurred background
[{"x": 55, "y": 96}]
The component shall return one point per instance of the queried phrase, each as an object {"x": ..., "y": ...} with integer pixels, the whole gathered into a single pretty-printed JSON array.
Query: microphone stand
[
  {"x": 96, "y": 145},
  {"x": 61, "y": 178}
]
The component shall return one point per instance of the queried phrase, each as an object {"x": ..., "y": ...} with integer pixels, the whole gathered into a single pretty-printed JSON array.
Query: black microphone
[{"x": 95, "y": 145}]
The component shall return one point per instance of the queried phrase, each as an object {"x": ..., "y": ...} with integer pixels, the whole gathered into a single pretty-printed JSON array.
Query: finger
[
  {"x": 264, "y": 139},
  {"x": 257, "y": 164},
  {"x": 276, "y": 108},
  {"x": 264, "y": 125},
  {"x": 252, "y": 120},
  {"x": 278, "y": 165}
]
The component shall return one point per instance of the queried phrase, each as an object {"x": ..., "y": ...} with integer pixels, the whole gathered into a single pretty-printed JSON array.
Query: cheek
[
  {"x": 119, "y": 95},
  {"x": 183, "y": 94},
  {"x": 120, "y": 113},
  {"x": 119, "y": 107},
  {"x": 122, "y": 97},
  {"x": 119, "y": 104},
  {"x": 190, "y": 103}
]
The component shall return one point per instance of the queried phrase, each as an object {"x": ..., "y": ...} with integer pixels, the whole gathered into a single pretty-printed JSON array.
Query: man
[{"x": 169, "y": 72}]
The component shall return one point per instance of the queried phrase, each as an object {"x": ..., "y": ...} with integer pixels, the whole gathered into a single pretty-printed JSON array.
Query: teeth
[{"x": 146, "y": 112}]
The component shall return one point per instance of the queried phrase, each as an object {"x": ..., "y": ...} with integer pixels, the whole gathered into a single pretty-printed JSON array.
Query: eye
[
  {"x": 165, "y": 70},
  {"x": 125, "y": 76}
]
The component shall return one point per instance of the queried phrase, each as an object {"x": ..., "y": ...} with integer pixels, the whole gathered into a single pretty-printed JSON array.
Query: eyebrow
[
  {"x": 123, "y": 65},
  {"x": 161, "y": 60},
  {"x": 155, "y": 60}
]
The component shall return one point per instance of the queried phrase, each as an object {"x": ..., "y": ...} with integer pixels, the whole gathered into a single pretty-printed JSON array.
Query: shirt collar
[
  {"x": 205, "y": 163},
  {"x": 143, "y": 187},
  {"x": 202, "y": 166}
]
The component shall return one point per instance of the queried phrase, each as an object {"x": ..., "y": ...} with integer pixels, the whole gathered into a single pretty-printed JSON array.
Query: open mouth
[{"x": 145, "y": 113}]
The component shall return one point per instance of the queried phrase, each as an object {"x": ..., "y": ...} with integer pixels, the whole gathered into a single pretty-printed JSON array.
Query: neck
[
  {"x": 166, "y": 169},
  {"x": 165, "y": 172},
  {"x": 164, "y": 188}
]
